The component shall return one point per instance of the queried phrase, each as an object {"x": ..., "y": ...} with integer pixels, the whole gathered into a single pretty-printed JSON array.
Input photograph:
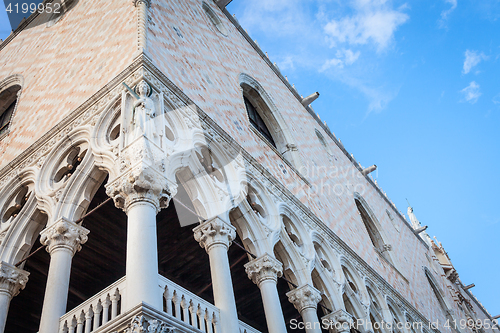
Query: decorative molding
[
  {"x": 214, "y": 232},
  {"x": 64, "y": 234},
  {"x": 12, "y": 279},
  {"x": 140, "y": 324},
  {"x": 142, "y": 23},
  {"x": 340, "y": 319},
  {"x": 264, "y": 268}
]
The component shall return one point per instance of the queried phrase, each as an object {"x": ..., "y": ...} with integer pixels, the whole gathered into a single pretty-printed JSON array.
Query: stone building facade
[{"x": 179, "y": 183}]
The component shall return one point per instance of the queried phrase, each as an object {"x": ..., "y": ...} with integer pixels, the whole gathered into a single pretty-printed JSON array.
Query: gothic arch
[
  {"x": 373, "y": 228},
  {"x": 10, "y": 88},
  {"x": 274, "y": 121},
  {"x": 398, "y": 318},
  {"x": 353, "y": 290},
  {"x": 378, "y": 308},
  {"x": 23, "y": 229},
  {"x": 438, "y": 292}
]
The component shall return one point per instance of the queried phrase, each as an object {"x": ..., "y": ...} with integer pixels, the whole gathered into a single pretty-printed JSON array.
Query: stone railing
[
  {"x": 189, "y": 308},
  {"x": 94, "y": 312},
  {"x": 245, "y": 328},
  {"x": 182, "y": 310}
]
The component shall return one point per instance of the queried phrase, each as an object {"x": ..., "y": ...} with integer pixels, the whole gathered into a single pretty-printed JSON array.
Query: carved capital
[
  {"x": 340, "y": 319},
  {"x": 304, "y": 297},
  {"x": 141, "y": 324},
  {"x": 139, "y": 185},
  {"x": 12, "y": 279},
  {"x": 214, "y": 231},
  {"x": 137, "y": 3},
  {"x": 64, "y": 234},
  {"x": 264, "y": 268}
]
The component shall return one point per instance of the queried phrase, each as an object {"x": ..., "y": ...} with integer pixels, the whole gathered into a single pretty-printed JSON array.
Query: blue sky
[{"x": 412, "y": 87}]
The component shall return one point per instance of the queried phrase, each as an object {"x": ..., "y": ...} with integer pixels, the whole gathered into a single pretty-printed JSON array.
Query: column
[
  {"x": 341, "y": 320},
  {"x": 139, "y": 194},
  {"x": 12, "y": 280},
  {"x": 264, "y": 272},
  {"x": 142, "y": 256},
  {"x": 142, "y": 23},
  {"x": 63, "y": 239},
  {"x": 215, "y": 236},
  {"x": 305, "y": 299}
]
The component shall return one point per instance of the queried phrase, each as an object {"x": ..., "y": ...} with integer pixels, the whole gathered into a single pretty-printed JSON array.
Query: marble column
[
  {"x": 264, "y": 272},
  {"x": 215, "y": 236},
  {"x": 341, "y": 320},
  {"x": 12, "y": 280},
  {"x": 139, "y": 194},
  {"x": 63, "y": 239},
  {"x": 305, "y": 299}
]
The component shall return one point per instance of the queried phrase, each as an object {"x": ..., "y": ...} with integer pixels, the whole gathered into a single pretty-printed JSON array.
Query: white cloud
[
  {"x": 472, "y": 58},
  {"x": 336, "y": 63},
  {"x": 343, "y": 57},
  {"x": 374, "y": 21},
  {"x": 350, "y": 57},
  {"x": 471, "y": 93},
  {"x": 496, "y": 99},
  {"x": 445, "y": 13}
]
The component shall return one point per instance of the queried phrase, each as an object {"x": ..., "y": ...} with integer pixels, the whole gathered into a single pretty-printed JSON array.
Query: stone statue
[{"x": 144, "y": 113}]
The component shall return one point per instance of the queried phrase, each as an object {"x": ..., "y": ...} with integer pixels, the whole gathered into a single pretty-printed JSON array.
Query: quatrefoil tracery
[{"x": 16, "y": 204}]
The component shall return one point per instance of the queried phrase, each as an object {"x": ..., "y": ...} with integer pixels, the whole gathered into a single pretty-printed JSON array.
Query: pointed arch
[
  {"x": 265, "y": 117},
  {"x": 10, "y": 92},
  {"x": 373, "y": 228}
]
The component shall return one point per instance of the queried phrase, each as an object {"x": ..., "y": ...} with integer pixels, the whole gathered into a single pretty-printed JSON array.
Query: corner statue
[{"x": 144, "y": 113}]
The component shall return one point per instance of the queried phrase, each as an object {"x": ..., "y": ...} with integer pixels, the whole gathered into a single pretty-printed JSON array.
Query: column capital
[
  {"x": 139, "y": 185},
  {"x": 214, "y": 231},
  {"x": 304, "y": 297},
  {"x": 264, "y": 268},
  {"x": 64, "y": 234},
  {"x": 12, "y": 279},
  {"x": 139, "y": 2},
  {"x": 340, "y": 319}
]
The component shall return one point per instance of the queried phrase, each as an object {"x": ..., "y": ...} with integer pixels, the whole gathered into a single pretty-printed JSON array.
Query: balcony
[{"x": 183, "y": 311}]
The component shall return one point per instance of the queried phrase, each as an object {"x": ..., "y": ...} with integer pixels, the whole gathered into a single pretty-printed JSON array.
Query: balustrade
[{"x": 182, "y": 309}]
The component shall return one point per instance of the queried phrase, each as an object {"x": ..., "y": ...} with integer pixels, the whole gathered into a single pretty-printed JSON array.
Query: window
[
  {"x": 257, "y": 121},
  {"x": 323, "y": 142},
  {"x": 266, "y": 121},
  {"x": 214, "y": 19},
  {"x": 8, "y": 102},
  {"x": 372, "y": 228}
]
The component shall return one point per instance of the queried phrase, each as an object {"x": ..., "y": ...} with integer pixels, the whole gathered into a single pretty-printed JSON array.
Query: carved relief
[
  {"x": 141, "y": 324},
  {"x": 264, "y": 268},
  {"x": 214, "y": 231},
  {"x": 12, "y": 279},
  {"x": 304, "y": 297},
  {"x": 64, "y": 234}
]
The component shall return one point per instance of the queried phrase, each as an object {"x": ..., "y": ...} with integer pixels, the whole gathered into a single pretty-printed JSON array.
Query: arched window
[
  {"x": 372, "y": 229},
  {"x": 8, "y": 102},
  {"x": 267, "y": 122},
  {"x": 214, "y": 19},
  {"x": 257, "y": 121}
]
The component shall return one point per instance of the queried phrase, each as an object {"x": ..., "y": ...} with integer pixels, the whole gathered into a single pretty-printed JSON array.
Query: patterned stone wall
[
  {"x": 206, "y": 64},
  {"x": 64, "y": 65}
]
